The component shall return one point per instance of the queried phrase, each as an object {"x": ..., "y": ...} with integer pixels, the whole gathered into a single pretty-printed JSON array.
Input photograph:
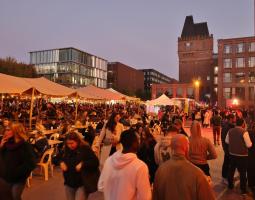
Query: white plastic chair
[{"x": 46, "y": 164}]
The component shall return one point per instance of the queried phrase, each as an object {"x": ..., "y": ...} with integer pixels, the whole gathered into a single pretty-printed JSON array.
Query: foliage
[{"x": 10, "y": 66}]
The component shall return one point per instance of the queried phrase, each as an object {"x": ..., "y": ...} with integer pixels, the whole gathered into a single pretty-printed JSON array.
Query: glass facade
[{"x": 70, "y": 67}]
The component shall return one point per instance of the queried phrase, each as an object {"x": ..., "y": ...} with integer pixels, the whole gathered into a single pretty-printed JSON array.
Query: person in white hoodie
[
  {"x": 162, "y": 150},
  {"x": 124, "y": 176}
]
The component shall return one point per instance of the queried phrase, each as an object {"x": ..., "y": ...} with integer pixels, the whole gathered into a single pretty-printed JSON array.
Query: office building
[{"x": 70, "y": 67}]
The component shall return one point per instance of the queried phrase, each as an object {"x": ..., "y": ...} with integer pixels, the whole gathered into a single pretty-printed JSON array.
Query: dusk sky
[{"x": 139, "y": 33}]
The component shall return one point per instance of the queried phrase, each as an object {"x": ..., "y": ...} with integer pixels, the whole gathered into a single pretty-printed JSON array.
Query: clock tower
[{"x": 195, "y": 52}]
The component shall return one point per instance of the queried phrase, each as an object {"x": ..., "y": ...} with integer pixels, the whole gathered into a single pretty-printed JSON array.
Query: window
[
  {"x": 240, "y": 48},
  {"x": 216, "y": 80},
  {"x": 252, "y": 47},
  {"x": 251, "y": 94},
  {"x": 190, "y": 92},
  {"x": 240, "y": 92},
  {"x": 251, "y": 77},
  {"x": 227, "y": 63},
  {"x": 208, "y": 78},
  {"x": 179, "y": 92},
  {"x": 227, "y": 49},
  {"x": 215, "y": 90},
  {"x": 251, "y": 62},
  {"x": 227, "y": 78},
  {"x": 239, "y": 62},
  {"x": 170, "y": 92},
  {"x": 216, "y": 69},
  {"x": 227, "y": 93},
  {"x": 240, "y": 77}
]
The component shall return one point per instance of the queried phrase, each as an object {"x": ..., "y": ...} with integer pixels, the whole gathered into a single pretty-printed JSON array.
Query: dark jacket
[
  {"x": 146, "y": 154},
  {"x": 18, "y": 161},
  {"x": 89, "y": 174},
  {"x": 224, "y": 131}
]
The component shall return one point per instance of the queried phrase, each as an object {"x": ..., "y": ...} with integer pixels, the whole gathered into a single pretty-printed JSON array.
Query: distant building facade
[
  {"x": 236, "y": 77},
  {"x": 124, "y": 78},
  {"x": 174, "y": 90},
  {"x": 195, "y": 51},
  {"x": 152, "y": 76},
  {"x": 70, "y": 67}
]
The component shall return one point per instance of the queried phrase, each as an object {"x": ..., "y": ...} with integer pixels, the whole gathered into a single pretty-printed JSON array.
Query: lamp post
[{"x": 197, "y": 84}]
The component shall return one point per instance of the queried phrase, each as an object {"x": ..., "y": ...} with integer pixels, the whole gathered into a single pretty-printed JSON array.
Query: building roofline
[
  {"x": 68, "y": 48},
  {"x": 237, "y": 38}
]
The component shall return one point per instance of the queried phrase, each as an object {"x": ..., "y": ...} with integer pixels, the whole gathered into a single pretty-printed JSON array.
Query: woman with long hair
[
  {"x": 18, "y": 159},
  {"x": 110, "y": 136},
  {"x": 146, "y": 152},
  {"x": 201, "y": 149},
  {"x": 80, "y": 168}
]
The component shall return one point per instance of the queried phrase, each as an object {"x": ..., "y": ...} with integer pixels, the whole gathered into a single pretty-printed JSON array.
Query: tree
[{"x": 10, "y": 66}]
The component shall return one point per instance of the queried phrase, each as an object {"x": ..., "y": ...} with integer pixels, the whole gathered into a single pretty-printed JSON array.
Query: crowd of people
[{"x": 125, "y": 152}]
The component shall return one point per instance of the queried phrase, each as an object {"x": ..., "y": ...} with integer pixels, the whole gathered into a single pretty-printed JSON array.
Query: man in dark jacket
[
  {"x": 227, "y": 125},
  {"x": 239, "y": 141}
]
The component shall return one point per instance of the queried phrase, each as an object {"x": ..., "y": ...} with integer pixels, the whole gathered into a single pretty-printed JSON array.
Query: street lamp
[{"x": 197, "y": 84}]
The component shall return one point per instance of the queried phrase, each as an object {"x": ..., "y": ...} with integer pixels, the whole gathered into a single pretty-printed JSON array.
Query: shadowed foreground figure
[{"x": 179, "y": 179}]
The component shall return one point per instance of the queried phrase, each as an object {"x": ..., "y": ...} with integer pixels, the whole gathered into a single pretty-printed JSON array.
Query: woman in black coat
[
  {"x": 146, "y": 152},
  {"x": 80, "y": 168},
  {"x": 17, "y": 159}
]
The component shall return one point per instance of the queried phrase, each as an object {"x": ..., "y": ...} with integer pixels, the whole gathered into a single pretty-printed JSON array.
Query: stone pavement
[{"x": 53, "y": 189}]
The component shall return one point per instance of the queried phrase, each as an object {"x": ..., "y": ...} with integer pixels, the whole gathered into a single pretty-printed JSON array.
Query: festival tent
[
  {"x": 13, "y": 85},
  {"x": 126, "y": 97},
  {"x": 47, "y": 87},
  {"x": 163, "y": 100},
  {"x": 98, "y": 93}
]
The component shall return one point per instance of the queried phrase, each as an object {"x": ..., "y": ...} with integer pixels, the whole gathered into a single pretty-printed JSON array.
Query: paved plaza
[{"x": 53, "y": 189}]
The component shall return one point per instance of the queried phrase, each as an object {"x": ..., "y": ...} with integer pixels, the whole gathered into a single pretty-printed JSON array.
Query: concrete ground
[{"x": 53, "y": 189}]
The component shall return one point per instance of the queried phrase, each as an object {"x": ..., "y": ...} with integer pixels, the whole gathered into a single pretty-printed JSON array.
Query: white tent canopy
[{"x": 163, "y": 100}]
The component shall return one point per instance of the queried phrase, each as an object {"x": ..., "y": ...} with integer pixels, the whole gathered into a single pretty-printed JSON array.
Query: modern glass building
[{"x": 70, "y": 67}]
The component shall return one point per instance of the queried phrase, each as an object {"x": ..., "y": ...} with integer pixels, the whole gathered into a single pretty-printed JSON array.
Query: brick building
[
  {"x": 195, "y": 51},
  {"x": 236, "y": 77},
  {"x": 124, "y": 78},
  {"x": 174, "y": 90}
]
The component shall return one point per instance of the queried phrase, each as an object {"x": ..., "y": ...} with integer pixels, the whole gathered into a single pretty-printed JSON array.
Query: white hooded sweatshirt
[{"x": 125, "y": 177}]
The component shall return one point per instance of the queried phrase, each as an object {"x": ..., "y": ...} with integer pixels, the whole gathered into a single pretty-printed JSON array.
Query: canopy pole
[
  {"x": 31, "y": 108},
  {"x": 76, "y": 107}
]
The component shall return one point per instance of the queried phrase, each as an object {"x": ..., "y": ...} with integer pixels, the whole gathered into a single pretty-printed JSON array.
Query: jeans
[
  {"x": 225, "y": 166},
  {"x": 75, "y": 193},
  {"x": 239, "y": 162},
  {"x": 216, "y": 134},
  {"x": 17, "y": 189}
]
